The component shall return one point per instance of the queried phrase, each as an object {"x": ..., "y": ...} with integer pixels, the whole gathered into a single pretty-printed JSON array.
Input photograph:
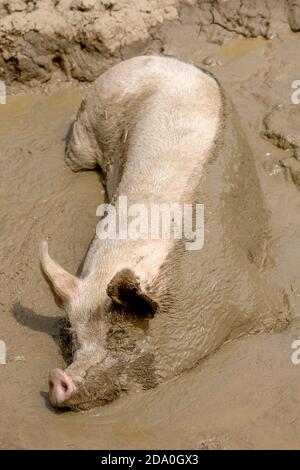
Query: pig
[{"x": 145, "y": 310}]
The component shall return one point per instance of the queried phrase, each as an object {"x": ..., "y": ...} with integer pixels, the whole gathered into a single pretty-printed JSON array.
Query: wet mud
[{"x": 247, "y": 394}]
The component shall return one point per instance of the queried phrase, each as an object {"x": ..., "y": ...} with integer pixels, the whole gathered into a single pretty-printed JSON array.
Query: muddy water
[{"x": 248, "y": 394}]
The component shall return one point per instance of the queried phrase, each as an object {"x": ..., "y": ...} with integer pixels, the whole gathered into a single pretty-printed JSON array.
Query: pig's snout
[{"x": 61, "y": 387}]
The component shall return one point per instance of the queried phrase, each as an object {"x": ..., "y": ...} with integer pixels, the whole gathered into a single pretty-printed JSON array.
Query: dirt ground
[{"x": 248, "y": 394}]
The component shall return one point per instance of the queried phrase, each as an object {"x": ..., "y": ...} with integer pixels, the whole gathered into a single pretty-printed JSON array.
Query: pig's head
[{"x": 107, "y": 321}]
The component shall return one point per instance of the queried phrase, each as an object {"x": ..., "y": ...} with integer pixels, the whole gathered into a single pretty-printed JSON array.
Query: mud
[
  {"x": 247, "y": 394},
  {"x": 42, "y": 40}
]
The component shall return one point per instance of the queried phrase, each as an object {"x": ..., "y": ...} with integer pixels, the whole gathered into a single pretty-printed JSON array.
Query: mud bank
[
  {"x": 247, "y": 394},
  {"x": 43, "y": 40}
]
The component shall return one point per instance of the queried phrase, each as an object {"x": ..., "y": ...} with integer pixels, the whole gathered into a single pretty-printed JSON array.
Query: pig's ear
[
  {"x": 124, "y": 289},
  {"x": 64, "y": 285}
]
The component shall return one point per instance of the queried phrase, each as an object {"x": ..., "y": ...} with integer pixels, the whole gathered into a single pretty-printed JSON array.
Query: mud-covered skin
[
  {"x": 103, "y": 384},
  {"x": 126, "y": 368},
  {"x": 204, "y": 298}
]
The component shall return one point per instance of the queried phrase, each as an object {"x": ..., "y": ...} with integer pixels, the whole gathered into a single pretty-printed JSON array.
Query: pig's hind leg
[{"x": 81, "y": 152}]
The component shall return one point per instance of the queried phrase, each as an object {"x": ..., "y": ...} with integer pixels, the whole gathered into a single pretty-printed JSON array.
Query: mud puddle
[{"x": 247, "y": 394}]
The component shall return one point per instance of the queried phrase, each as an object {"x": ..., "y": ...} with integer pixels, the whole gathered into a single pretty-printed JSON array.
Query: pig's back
[
  {"x": 151, "y": 124},
  {"x": 175, "y": 127}
]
